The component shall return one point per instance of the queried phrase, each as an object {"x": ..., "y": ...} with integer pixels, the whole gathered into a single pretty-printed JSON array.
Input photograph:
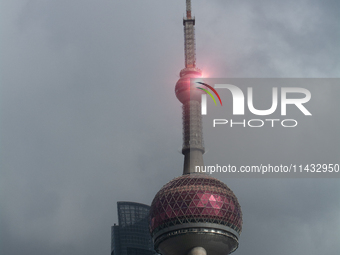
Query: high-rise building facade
[
  {"x": 194, "y": 214},
  {"x": 131, "y": 236}
]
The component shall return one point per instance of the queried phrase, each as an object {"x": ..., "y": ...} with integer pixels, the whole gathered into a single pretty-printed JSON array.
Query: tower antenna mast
[{"x": 189, "y": 41}]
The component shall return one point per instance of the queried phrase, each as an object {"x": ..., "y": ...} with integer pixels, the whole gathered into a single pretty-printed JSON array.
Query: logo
[
  {"x": 204, "y": 97},
  {"x": 299, "y": 98}
]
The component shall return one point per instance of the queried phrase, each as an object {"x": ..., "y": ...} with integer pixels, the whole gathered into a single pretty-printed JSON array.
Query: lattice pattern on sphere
[{"x": 195, "y": 198}]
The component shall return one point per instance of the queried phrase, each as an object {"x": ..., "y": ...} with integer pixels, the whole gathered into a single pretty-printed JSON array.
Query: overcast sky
[{"x": 89, "y": 116}]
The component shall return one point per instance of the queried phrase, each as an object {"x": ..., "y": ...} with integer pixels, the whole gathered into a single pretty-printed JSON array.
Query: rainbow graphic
[{"x": 208, "y": 92}]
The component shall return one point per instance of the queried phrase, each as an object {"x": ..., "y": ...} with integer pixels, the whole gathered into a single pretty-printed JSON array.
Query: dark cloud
[{"x": 89, "y": 116}]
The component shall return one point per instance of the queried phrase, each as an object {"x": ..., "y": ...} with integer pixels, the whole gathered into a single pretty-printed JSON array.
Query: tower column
[
  {"x": 193, "y": 146},
  {"x": 197, "y": 251}
]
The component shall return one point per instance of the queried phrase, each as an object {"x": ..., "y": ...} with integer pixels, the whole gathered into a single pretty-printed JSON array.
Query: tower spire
[
  {"x": 188, "y": 9},
  {"x": 189, "y": 38}
]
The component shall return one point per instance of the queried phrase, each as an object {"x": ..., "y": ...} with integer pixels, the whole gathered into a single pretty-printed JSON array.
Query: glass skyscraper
[{"x": 131, "y": 236}]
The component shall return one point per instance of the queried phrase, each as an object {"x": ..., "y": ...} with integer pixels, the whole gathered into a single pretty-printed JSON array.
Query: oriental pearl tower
[{"x": 194, "y": 214}]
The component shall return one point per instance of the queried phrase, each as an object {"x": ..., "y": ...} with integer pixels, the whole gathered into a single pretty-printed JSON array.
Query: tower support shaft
[
  {"x": 192, "y": 126},
  {"x": 193, "y": 145},
  {"x": 197, "y": 251}
]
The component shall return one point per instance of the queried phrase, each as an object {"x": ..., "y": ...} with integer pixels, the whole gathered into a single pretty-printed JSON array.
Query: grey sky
[{"x": 89, "y": 116}]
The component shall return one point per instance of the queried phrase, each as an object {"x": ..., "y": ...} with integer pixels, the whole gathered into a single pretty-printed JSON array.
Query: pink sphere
[
  {"x": 185, "y": 90},
  {"x": 195, "y": 198}
]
